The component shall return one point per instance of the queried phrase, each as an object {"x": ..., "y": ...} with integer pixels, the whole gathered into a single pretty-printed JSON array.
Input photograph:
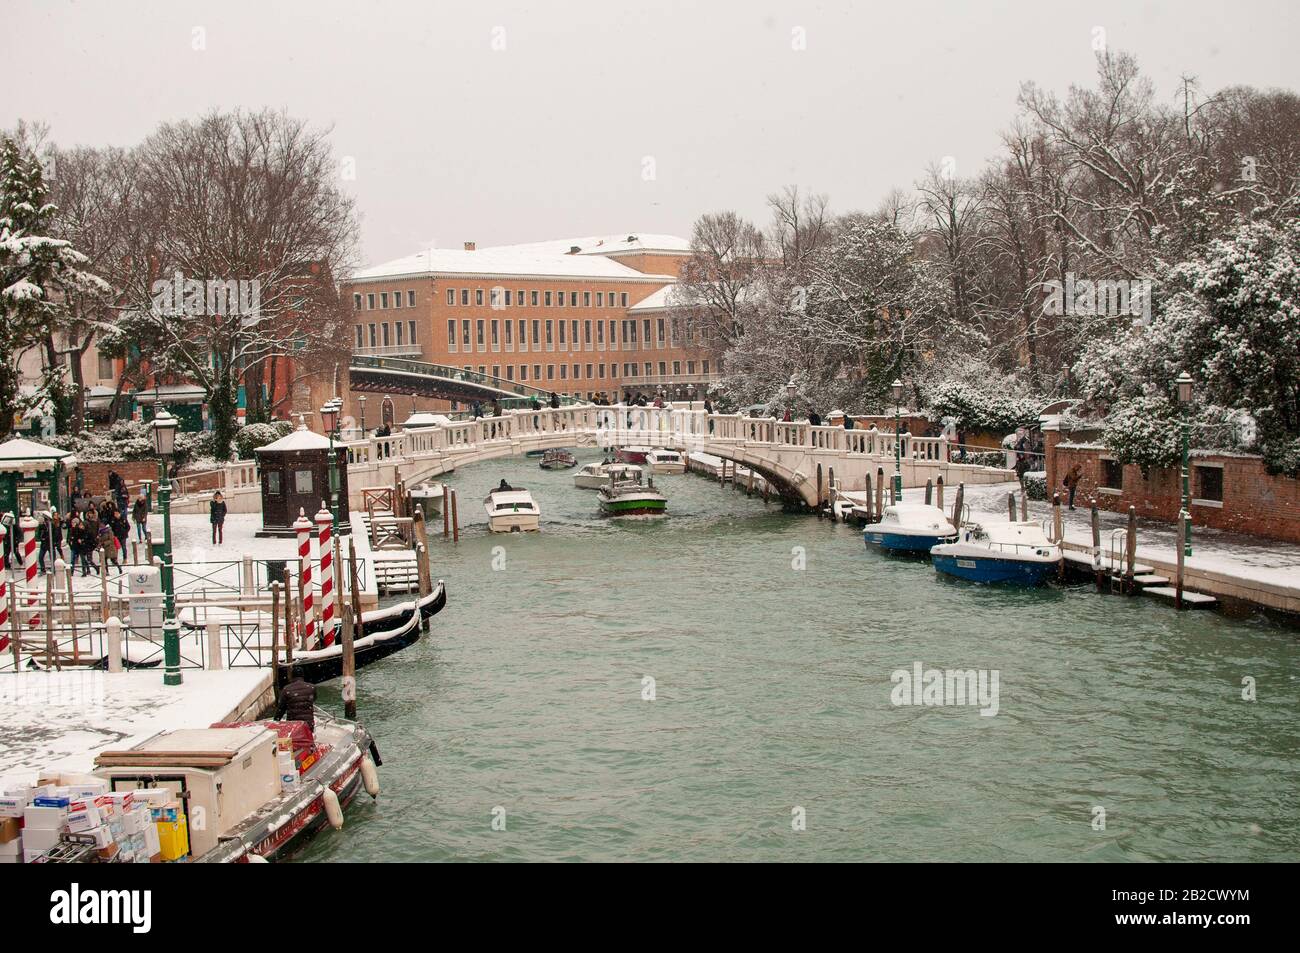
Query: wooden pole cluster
[
  {"x": 880, "y": 494},
  {"x": 446, "y": 512},
  {"x": 455, "y": 518}
]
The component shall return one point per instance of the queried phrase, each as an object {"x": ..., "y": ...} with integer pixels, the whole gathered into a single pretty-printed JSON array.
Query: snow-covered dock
[
  {"x": 60, "y": 720},
  {"x": 1224, "y": 565}
]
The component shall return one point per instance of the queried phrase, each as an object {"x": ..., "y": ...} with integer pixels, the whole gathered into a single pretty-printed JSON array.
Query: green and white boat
[{"x": 631, "y": 497}]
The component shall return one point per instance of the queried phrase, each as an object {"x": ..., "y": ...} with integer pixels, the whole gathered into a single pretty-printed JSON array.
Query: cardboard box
[
  {"x": 102, "y": 836},
  {"x": 107, "y": 853},
  {"x": 11, "y": 828},
  {"x": 33, "y": 856},
  {"x": 57, "y": 800},
  {"x": 170, "y": 811},
  {"x": 81, "y": 821},
  {"x": 40, "y": 838},
  {"x": 49, "y": 818},
  {"x": 12, "y": 805},
  {"x": 89, "y": 789},
  {"x": 13, "y": 848},
  {"x": 173, "y": 837},
  {"x": 152, "y": 844}
]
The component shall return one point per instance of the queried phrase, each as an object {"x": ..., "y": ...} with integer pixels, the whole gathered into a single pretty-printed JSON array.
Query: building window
[
  {"x": 398, "y": 329},
  {"x": 356, "y": 302},
  {"x": 586, "y": 299},
  {"x": 478, "y": 297},
  {"x": 370, "y": 302},
  {"x": 549, "y": 330},
  {"x": 510, "y": 372},
  {"x": 302, "y": 481},
  {"x": 690, "y": 367},
  {"x": 564, "y": 371},
  {"x": 562, "y": 340},
  {"x": 663, "y": 369},
  {"x": 451, "y": 296},
  {"x": 361, "y": 336},
  {"x": 273, "y": 482},
  {"x": 374, "y": 336},
  {"x": 464, "y": 297},
  {"x": 586, "y": 333},
  {"x": 537, "y": 372},
  {"x": 1112, "y": 475},
  {"x": 548, "y": 298},
  {"x": 383, "y": 299},
  {"x": 649, "y": 369},
  {"x": 397, "y": 299},
  {"x": 523, "y": 335},
  {"x": 660, "y": 331},
  {"x": 385, "y": 327},
  {"x": 559, "y": 298},
  {"x": 623, "y": 299},
  {"x": 550, "y": 372},
  {"x": 508, "y": 293},
  {"x": 479, "y": 329},
  {"x": 677, "y": 368},
  {"x": 537, "y": 334},
  {"x": 464, "y": 335},
  {"x": 410, "y": 332},
  {"x": 410, "y": 299},
  {"x": 573, "y": 336},
  {"x": 1208, "y": 484},
  {"x": 451, "y": 335},
  {"x": 510, "y": 328},
  {"x": 523, "y": 372},
  {"x": 600, "y": 371},
  {"x": 589, "y": 370},
  {"x": 704, "y": 366},
  {"x": 577, "y": 371},
  {"x": 600, "y": 333},
  {"x": 496, "y": 336},
  {"x": 496, "y": 371},
  {"x": 573, "y": 299},
  {"x": 532, "y": 296}
]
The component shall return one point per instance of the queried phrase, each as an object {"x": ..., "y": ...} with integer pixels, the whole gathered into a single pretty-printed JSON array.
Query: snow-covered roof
[
  {"x": 621, "y": 244},
  {"x": 170, "y": 392},
  {"x": 425, "y": 419},
  {"x": 521, "y": 261},
  {"x": 19, "y": 449},
  {"x": 300, "y": 439},
  {"x": 661, "y": 299}
]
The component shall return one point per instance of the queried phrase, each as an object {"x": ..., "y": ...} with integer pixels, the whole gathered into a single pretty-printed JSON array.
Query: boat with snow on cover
[
  {"x": 1017, "y": 553},
  {"x": 910, "y": 528}
]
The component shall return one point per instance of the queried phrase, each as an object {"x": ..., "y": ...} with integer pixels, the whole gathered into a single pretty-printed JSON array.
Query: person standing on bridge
[
  {"x": 848, "y": 421},
  {"x": 555, "y": 401},
  {"x": 708, "y": 412},
  {"x": 814, "y": 418}
]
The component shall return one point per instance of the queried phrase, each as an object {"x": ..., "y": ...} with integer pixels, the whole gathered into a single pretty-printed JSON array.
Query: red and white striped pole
[
  {"x": 325, "y": 544},
  {"x": 4, "y": 591},
  {"x": 28, "y": 526},
  {"x": 302, "y": 526}
]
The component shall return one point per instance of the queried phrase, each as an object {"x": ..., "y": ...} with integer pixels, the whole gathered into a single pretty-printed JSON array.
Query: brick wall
[
  {"x": 1254, "y": 502},
  {"x": 95, "y": 475}
]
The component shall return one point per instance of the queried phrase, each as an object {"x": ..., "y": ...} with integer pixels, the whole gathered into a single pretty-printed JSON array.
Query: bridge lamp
[
  {"x": 897, "y": 389},
  {"x": 361, "y": 404},
  {"x": 1183, "y": 386},
  {"x": 329, "y": 415},
  {"x": 164, "y": 442}
]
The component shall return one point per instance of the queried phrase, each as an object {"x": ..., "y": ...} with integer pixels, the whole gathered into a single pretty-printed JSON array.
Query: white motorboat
[
  {"x": 593, "y": 476},
  {"x": 512, "y": 509},
  {"x": 427, "y": 496},
  {"x": 910, "y": 527},
  {"x": 1018, "y": 553},
  {"x": 665, "y": 461}
]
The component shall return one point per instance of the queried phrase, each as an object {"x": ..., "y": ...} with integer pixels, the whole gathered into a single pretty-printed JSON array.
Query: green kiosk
[{"x": 33, "y": 477}]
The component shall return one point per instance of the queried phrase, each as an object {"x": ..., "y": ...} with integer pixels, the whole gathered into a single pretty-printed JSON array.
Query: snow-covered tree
[{"x": 38, "y": 273}]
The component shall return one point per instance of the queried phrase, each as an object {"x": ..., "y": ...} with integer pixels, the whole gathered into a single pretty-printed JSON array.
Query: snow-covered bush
[
  {"x": 1143, "y": 431},
  {"x": 981, "y": 409},
  {"x": 1035, "y": 483},
  {"x": 252, "y": 436}
]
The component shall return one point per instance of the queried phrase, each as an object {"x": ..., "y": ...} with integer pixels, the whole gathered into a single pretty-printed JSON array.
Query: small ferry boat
[
  {"x": 910, "y": 527},
  {"x": 631, "y": 498},
  {"x": 261, "y": 788},
  {"x": 512, "y": 509},
  {"x": 1018, "y": 553},
  {"x": 593, "y": 476},
  {"x": 427, "y": 496},
  {"x": 665, "y": 461},
  {"x": 632, "y": 454},
  {"x": 558, "y": 460}
]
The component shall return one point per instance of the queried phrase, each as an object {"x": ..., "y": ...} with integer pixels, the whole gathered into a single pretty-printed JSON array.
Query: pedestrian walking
[
  {"x": 217, "y": 515},
  {"x": 140, "y": 516},
  {"x": 1071, "y": 481}
]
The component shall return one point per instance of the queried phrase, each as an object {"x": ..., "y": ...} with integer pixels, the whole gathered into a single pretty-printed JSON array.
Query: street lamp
[
  {"x": 897, "y": 389},
  {"x": 329, "y": 415},
  {"x": 361, "y": 403},
  {"x": 1183, "y": 385},
  {"x": 164, "y": 442}
]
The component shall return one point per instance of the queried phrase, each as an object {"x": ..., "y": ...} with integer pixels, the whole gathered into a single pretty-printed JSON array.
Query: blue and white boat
[
  {"x": 910, "y": 528},
  {"x": 1016, "y": 553}
]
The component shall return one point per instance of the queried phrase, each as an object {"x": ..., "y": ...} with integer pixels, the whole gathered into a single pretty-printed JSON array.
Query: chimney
[
  {"x": 574, "y": 249},
  {"x": 469, "y": 246}
]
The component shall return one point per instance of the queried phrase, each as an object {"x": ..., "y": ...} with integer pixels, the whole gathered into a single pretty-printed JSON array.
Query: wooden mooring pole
[
  {"x": 1098, "y": 574},
  {"x": 1011, "y": 507},
  {"x": 1130, "y": 551},
  {"x": 880, "y": 494},
  {"x": 870, "y": 508},
  {"x": 455, "y": 519},
  {"x": 957, "y": 505},
  {"x": 275, "y": 639},
  {"x": 349, "y": 632},
  {"x": 938, "y": 493},
  {"x": 446, "y": 513}
]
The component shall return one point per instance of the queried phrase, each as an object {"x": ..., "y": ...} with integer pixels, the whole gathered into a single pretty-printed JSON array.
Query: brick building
[
  {"x": 1228, "y": 491},
  {"x": 583, "y": 316}
]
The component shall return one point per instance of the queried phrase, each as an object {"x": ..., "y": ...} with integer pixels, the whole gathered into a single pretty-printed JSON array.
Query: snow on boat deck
[{"x": 63, "y": 719}]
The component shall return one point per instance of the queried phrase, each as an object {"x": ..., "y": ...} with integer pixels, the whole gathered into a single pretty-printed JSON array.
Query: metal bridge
[{"x": 399, "y": 375}]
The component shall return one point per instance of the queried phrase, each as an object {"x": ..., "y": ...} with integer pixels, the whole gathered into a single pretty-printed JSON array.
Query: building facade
[{"x": 586, "y": 317}]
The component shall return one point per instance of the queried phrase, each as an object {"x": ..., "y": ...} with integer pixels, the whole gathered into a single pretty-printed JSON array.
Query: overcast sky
[{"x": 511, "y": 122}]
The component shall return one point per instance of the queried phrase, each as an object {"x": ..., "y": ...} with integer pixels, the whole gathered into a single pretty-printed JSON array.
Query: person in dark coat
[
  {"x": 81, "y": 540},
  {"x": 120, "y": 527},
  {"x": 1071, "y": 481},
  {"x": 848, "y": 422},
  {"x": 217, "y": 516},
  {"x": 555, "y": 401},
  {"x": 107, "y": 541},
  {"x": 140, "y": 516},
  {"x": 298, "y": 701},
  {"x": 814, "y": 418}
]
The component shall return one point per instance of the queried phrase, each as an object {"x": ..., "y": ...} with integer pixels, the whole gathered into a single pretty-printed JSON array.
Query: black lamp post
[
  {"x": 361, "y": 403},
  {"x": 897, "y": 389},
  {"x": 164, "y": 442},
  {"x": 1183, "y": 384}
]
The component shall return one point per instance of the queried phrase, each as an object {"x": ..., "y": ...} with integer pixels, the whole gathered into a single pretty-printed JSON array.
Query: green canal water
[{"x": 772, "y": 693}]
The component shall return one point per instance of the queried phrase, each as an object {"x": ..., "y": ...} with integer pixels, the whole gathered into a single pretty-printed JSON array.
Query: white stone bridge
[{"x": 800, "y": 461}]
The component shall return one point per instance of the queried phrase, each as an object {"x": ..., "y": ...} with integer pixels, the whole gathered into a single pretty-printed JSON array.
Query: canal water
[{"x": 771, "y": 639}]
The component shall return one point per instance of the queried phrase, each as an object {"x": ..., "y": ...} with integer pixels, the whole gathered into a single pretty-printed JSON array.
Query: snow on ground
[
  {"x": 62, "y": 719},
  {"x": 1246, "y": 557}
]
